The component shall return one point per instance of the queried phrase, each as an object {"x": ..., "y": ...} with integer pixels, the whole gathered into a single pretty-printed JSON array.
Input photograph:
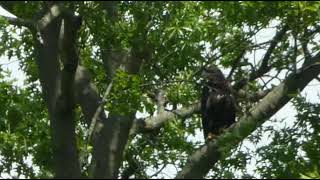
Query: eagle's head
[{"x": 213, "y": 74}]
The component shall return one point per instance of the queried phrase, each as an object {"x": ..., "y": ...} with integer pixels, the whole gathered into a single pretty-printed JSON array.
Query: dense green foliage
[{"x": 174, "y": 40}]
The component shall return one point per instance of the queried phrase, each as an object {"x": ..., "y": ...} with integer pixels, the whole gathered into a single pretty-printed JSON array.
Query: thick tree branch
[
  {"x": 9, "y": 5},
  {"x": 202, "y": 160},
  {"x": 110, "y": 134},
  {"x": 149, "y": 124},
  {"x": 87, "y": 95},
  {"x": 89, "y": 99},
  {"x": 113, "y": 135},
  {"x": 49, "y": 75},
  {"x": 19, "y": 22},
  {"x": 255, "y": 96},
  {"x": 104, "y": 141},
  {"x": 65, "y": 107},
  {"x": 54, "y": 11},
  {"x": 58, "y": 91}
]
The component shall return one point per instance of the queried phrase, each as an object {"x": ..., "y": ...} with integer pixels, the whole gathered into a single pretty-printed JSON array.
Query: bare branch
[
  {"x": 271, "y": 78},
  {"x": 264, "y": 67},
  {"x": 159, "y": 171},
  {"x": 144, "y": 125},
  {"x": 260, "y": 44},
  {"x": 235, "y": 64},
  {"x": 306, "y": 37},
  {"x": 98, "y": 111}
]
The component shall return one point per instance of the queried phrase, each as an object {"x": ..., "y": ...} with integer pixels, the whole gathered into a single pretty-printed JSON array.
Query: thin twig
[
  {"x": 235, "y": 64},
  {"x": 159, "y": 171},
  {"x": 96, "y": 114},
  {"x": 271, "y": 78}
]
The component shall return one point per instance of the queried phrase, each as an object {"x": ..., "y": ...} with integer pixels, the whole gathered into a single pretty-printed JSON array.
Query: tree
[{"x": 92, "y": 66}]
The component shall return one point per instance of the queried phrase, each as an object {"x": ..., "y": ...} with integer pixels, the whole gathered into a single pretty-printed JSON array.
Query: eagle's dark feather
[{"x": 217, "y": 103}]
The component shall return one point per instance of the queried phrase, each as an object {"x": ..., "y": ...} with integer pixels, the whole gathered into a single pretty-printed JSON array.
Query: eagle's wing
[
  {"x": 204, "y": 111},
  {"x": 209, "y": 109},
  {"x": 230, "y": 106}
]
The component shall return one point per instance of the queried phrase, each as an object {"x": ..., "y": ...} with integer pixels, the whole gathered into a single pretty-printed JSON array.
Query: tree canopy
[{"x": 112, "y": 89}]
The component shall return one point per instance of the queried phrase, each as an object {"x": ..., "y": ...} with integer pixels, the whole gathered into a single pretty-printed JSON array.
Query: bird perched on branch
[{"x": 217, "y": 103}]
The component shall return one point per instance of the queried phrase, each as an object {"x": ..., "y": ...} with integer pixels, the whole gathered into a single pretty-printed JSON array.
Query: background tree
[{"x": 92, "y": 67}]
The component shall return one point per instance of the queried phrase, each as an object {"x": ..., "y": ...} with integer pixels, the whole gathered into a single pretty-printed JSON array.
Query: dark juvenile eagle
[{"x": 217, "y": 103}]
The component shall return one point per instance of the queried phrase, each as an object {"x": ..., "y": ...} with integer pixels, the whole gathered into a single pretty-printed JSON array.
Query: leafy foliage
[{"x": 174, "y": 40}]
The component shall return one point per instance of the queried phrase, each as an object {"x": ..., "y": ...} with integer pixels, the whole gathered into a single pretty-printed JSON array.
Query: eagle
[{"x": 217, "y": 103}]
